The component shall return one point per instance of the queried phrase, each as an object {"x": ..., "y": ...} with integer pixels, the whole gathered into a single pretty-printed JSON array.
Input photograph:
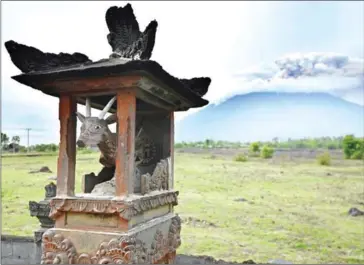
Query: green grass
[{"x": 294, "y": 211}]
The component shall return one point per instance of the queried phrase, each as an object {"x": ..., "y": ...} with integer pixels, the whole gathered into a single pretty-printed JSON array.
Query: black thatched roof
[{"x": 131, "y": 52}]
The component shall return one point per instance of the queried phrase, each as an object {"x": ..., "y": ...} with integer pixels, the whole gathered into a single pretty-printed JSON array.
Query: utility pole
[{"x": 28, "y": 130}]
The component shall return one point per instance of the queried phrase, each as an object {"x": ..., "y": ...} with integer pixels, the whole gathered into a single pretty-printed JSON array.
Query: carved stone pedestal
[
  {"x": 41, "y": 210},
  {"x": 137, "y": 229}
]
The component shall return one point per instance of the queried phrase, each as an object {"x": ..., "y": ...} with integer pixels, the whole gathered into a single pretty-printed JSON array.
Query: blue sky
[{"x": 216, "y": 39}]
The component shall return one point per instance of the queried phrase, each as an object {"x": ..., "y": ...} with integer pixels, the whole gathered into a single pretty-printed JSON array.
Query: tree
[
  {"x": 15, "y": 139},
  {"x": 353, "y": 147},
  {"x": 349, "y": 144},
  {"x": 4, "y": 139}
]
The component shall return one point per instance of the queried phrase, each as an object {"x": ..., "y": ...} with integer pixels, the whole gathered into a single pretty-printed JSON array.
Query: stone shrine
[{"x": 125, "y": 213}]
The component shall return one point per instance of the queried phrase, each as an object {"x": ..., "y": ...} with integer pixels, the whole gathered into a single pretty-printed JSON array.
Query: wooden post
[
  {"x": 124, "y": 171},
  {"x": 171, "y": 139},
  {"x": 67, "y": 147}
]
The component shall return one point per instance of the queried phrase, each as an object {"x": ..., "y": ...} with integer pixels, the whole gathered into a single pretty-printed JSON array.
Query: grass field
[{"x": 290, "y": 209}]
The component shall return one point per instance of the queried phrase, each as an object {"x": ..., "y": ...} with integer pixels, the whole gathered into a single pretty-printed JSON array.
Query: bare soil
[{"x": 184, "y": 259}]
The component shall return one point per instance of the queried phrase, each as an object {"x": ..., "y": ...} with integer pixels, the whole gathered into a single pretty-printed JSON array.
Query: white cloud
[{"x": 332, "y": 73}]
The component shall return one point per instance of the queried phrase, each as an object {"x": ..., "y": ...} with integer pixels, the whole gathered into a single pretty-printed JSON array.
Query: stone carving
[
  {"x": 107, "y": 188},
  {"x": 126, "y": 209},
  {"x": 158, "y": 247},
  {"x": 95, "y": 131},
  {"x": 174, "y": 236},
  {"x": 125, "y": 38},
  {"x": 145, "y": 149},
  {"x": 88, "y": 206},
  {"x": 124, "y": 250},
  {"x": 143, "y": 204},
  {"x": 29, "y": 59},
  {"x": 50, "y": 190},
  {"x": 57, "y": 249},
  {"x": 159, "y": 179},
  {"x": 42, "y": 209}
]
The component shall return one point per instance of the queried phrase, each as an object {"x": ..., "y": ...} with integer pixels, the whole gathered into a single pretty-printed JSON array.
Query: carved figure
[
  {"x": 125, "y": 38},
  {"x": 95, "y": 131}
]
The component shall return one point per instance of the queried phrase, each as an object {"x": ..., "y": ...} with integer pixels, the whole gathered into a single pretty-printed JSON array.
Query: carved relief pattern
[
  {"x": 124, "y": 250},
  {"x": 90, "y": 206},
  {"x": 126, "y": 209},
  {"x": 147, "y": 203},
  {"x": 57, "y": 249},
  {"x": 145, "y": 149},
  {"x": 174, "y": 236},
  {"x": 37, "y": 209},
  {"x": 159, "y": 179}
]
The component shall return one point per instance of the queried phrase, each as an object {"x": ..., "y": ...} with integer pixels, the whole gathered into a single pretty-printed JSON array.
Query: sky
[{"x": 243, "y": 46}]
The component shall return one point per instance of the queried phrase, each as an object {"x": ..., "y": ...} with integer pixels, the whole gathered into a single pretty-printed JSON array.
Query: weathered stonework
[
  {"x": 42, "y": 209},
  {"x": 149, "y": 202},
  {"x": 126, "y": 249},
  {"x": 159, "y": 180},
  {"x": 125, "y": 209}
]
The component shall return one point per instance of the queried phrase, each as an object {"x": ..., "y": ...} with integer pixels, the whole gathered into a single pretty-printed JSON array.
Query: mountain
[{"x": 263, "y": 116}]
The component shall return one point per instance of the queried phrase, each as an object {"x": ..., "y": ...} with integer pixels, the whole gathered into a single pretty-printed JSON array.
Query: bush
[
  {"x": 324, "y": 159},
  {"x": 254, "y": 147},
  {"x": 241, "y": 158},
  {"x": 359, "y": 154},
  {"x": 267, "y": 152},
  {"x": 353, "y": 147}
]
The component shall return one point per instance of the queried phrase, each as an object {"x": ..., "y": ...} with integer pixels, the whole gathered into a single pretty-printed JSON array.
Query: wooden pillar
[
  {"x": 67, "y": 147},
  {"x": 171, "y": 146},
  {"x": 124, "y": 171}
]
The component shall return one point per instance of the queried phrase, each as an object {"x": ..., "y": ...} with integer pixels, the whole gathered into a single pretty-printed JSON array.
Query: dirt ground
[
  {"x": 184, "y": 259},
  {"x": 289, "y": 154}
]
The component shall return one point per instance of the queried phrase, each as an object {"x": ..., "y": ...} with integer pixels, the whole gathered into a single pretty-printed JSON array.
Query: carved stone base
[{"x": 152, "y": 242}]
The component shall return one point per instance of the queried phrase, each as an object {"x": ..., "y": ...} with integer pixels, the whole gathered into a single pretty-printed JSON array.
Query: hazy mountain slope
[{"x": 263, "y": 116}]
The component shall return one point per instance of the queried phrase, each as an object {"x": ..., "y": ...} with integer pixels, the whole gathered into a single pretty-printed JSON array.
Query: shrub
[
  {"x": 359, "y": 154},
  {"x": 324, "y": 159},
  {"x": 254, "y": 147},
  {"x": 241, "y": 158},
  {"x": 353, "y": 147},
  {"x": 267, "y": 152}
]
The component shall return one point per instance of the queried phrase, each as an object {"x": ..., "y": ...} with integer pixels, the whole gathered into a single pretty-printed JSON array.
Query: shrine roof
[
  {"x": 114, "y": 67},
  {"x": 127, "y": 67}
]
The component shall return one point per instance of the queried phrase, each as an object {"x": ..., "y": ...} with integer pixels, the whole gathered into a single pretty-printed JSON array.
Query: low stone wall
[
  {"x": 24, "y": 250},
  {"x": 19, "y": 250}
]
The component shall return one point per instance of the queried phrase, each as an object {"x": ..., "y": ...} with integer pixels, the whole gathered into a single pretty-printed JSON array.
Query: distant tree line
[
  {"x": 305, "y": 143},
  {"x": 353, "y": 147},
  {"x": 14, "y": 146}
]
